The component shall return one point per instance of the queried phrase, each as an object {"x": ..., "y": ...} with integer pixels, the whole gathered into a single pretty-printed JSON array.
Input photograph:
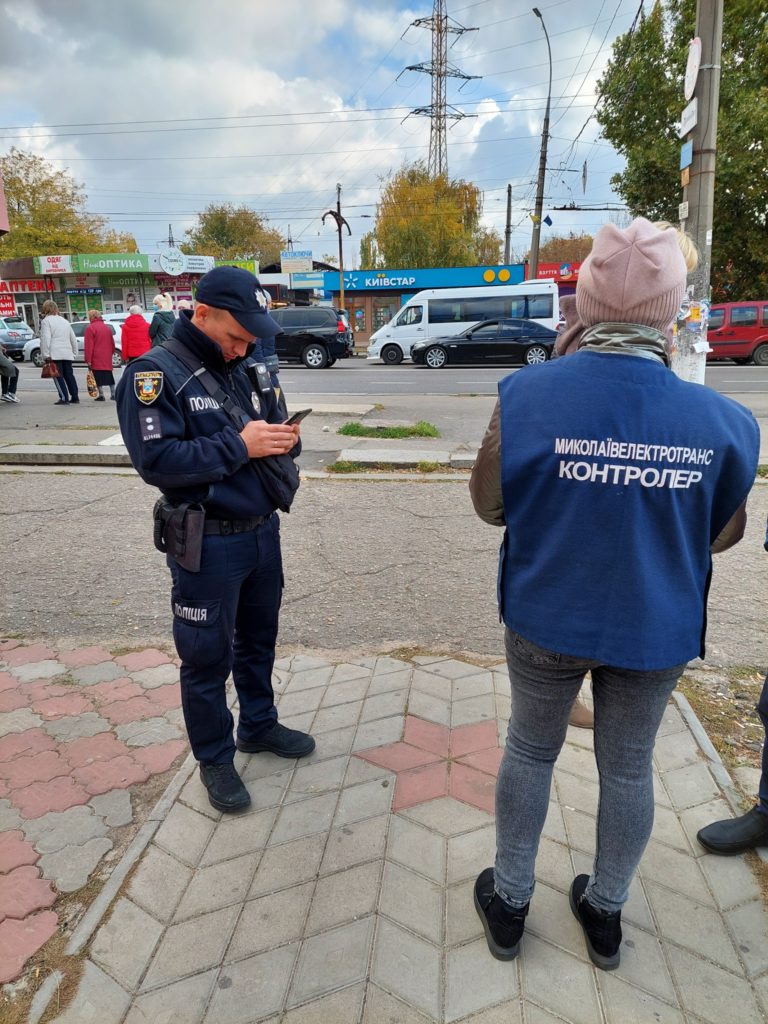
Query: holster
[{"x": 178, "y": 532}]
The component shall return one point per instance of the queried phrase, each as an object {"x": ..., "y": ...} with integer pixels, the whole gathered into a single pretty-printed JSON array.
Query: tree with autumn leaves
[
  {"x": 47, "y": 214},
  {"x": 640, "y": 102},
  {"x": 428, "y": 221},
  {"x": 234, "y": 232}
]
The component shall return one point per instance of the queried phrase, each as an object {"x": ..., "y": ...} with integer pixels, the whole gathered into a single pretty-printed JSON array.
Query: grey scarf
[{"x": 627, "y": 340}]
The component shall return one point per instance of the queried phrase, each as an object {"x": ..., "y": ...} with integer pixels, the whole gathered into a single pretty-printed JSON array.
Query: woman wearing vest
[{"x": 615, "y": 481}]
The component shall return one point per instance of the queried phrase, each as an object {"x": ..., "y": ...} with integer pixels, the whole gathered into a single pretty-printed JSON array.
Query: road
[{"x": 356, "y": 378}]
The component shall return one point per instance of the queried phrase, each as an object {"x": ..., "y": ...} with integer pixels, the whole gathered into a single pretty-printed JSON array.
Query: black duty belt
[{"x": 226, "y": 527}]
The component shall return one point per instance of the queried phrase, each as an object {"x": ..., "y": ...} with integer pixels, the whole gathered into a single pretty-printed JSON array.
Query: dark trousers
[
  {"x": 762, "y": 710},
  {"x": 66, "y": 385},
  {"x": 225, "y": 619}
]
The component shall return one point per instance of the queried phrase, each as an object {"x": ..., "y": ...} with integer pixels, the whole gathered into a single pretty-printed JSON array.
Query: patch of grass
[
  {"x": 427, "y": 467},
  {"x": 420, "y": 429},
  {"x": 344, "y": 466},
  {"x": 728, "y": 715},
  {"x": 762, "y": 470}
]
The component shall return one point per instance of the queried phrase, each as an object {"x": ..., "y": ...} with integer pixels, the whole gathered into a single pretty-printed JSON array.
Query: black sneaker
[
  {"x": 280, "y": 740},
  {"x": 602, "y": 929},
  {"x": 502, "y": 924},
  {"x": 735, "y": 835},
  {"x": 226, "y": 791},
  {"x": 74, "y": 401}
]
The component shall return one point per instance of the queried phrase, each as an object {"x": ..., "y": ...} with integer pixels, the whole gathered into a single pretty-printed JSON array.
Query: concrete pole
[
  {"x": 508, "y": 228},
  {"x": 533, "y": 259},
  {"x": 687, "y": 363}
]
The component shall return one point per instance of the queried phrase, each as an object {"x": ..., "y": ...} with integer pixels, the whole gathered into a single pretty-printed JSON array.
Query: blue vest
[{"x": 616, "y": 476}]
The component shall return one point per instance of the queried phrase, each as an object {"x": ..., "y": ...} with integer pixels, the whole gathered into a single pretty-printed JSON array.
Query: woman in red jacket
[
  {"x": 99, "y": 348},
  {"x": 135, "y": 340}
]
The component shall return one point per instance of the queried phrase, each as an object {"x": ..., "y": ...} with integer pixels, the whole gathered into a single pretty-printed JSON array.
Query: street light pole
[
  {"x": 340, "y": 223},
  {"x": 533, "y": 259}
]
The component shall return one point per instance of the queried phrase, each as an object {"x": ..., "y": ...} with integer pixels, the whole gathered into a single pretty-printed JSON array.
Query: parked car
[
  {"x": 739, "y": 331},
  {"x": 31, "y": 349},
  {"x": 15, "y": 332},
  {"x": 490, "y": 342},
  {"x": 314, "y": 335}
]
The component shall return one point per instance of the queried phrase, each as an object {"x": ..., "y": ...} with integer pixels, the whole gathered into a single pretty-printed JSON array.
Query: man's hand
[{"x": 262, "y": 438}]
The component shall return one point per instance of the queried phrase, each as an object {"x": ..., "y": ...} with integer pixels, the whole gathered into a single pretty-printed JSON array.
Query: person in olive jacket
[{"x": 163, "y": 320}]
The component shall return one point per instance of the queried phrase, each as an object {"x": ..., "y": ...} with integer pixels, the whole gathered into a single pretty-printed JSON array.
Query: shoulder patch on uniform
[{"x": 147, "y": 385}]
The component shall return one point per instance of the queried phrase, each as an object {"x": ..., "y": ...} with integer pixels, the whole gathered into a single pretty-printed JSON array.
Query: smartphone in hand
[{"x": 297, "y": 417}]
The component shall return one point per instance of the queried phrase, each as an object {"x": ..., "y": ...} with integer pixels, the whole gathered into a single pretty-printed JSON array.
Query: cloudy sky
[{"x": 160, "y": 108}]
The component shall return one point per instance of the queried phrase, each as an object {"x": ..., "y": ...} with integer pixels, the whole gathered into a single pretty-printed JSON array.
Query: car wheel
[
  {"x": 117, "y": 360},
  {"x": 314, "y": 357},
  {"x": 37, "y": 357},
  {"x": 392, "y": 355},
  {"x": 760, "y": 355},
  {"x": 535, "y": 355},
  {"x": 436, "y": 357}
]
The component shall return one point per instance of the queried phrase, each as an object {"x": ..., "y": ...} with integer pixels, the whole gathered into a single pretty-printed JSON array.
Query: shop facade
[
  {"x": 373, "y": 297},
  {"x": 110, "y": 282}
]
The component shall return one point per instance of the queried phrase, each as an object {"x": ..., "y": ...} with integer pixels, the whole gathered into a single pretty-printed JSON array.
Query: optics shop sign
[{"x": 114, "y": 263}]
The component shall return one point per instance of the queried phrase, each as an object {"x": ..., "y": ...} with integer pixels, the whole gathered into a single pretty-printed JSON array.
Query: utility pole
[
  {"x": 508, "y": 228},
  {"x": 340, "y": 223},
  {"x": 533, "y": 259},
  {"x": 440, "y": 69},
  {"x": 697, "y": 207},
  {"x": 171, "y": 239}
]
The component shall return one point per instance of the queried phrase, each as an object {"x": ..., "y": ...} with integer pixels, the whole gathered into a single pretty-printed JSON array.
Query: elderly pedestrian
[
  {"x": 204, "y": 426},
  {"x": 99, "y": 350},
  {"x": 134, "y": 336},
  {"x": 58, "y": 345},
  {"x": 9, "y": 377},
  {"x": 163, "y": 320},
  {"x": 638, "y": 477}
]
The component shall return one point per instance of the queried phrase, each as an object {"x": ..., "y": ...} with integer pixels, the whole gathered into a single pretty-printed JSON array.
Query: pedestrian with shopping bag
[{"x": 99, "y": 352}]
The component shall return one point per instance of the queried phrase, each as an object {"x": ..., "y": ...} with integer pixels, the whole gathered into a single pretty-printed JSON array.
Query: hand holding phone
[{"x": 297, "y": 417}]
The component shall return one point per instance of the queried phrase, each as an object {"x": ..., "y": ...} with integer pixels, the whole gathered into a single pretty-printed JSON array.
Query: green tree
[
  {"x": 425, "y": 221},
  {"x": 46, "y": 210},
  {"x": 568, "y": 248},
  {"x": 231, "y": 232},
  {"x": 640, "y": 101}
]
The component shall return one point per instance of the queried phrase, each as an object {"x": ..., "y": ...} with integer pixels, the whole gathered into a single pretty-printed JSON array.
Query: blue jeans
[
  {"x": 629, "y": 707},
  {"x": 225, "y": 619},
  {"x": 762, "y": 710}
]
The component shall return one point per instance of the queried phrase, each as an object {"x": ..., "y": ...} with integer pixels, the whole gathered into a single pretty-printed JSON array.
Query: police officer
[{"x": 201, "y": 422}]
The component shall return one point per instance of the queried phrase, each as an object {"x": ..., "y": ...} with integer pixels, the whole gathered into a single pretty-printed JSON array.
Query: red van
[{"x": 739, "y": 331}]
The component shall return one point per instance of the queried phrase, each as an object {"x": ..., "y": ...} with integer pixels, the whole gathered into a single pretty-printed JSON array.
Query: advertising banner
[
  {"x": 52, "y": 264},
  {"x": 7, "y": 305},
  {"x": 414, "y": 280},
  {"x": 252, "y": 265},
  {"x": 110, "y": 263},
  {"x": 296, "y": 261}
]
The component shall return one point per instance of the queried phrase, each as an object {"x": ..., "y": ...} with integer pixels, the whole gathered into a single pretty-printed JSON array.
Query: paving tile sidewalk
[
  {"x": 78, "y": 729},
  {"x": 344, "y": 895}
]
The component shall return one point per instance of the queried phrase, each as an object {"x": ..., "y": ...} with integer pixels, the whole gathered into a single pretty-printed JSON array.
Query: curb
[{"x": 730, "y": 790}]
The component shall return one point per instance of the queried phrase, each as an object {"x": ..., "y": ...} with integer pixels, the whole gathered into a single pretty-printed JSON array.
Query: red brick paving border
[{"x": 40, "y": 774}]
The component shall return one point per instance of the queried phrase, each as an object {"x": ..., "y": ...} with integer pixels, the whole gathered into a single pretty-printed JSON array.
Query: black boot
[
  {"x": 503, "y": 925},
  {"x": 735, "y": 835},
  {"x": 602, "y": 929},
  {"x": 280, "y": 740},
  {"x": 226, "y": 791}
]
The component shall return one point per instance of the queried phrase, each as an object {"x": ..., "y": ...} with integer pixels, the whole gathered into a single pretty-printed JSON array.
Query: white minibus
[{"x": 442, "y": 312}]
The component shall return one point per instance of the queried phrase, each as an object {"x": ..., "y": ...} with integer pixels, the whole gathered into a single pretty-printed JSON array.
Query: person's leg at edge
[
  {"x": 544, "y": 685},
  {"x": 629, "y": 707},
  {"x": 762, "y": 710}
]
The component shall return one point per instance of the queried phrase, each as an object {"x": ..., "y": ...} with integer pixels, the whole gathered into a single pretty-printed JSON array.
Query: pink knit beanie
[{"x": 636, "y": 276}]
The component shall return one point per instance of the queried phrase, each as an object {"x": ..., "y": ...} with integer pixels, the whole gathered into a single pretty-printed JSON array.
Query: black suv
[{"x": 315, "y": 335}]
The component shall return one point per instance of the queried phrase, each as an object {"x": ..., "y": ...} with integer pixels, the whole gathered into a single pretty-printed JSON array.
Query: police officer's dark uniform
[{"x": 182, "y": 439}]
